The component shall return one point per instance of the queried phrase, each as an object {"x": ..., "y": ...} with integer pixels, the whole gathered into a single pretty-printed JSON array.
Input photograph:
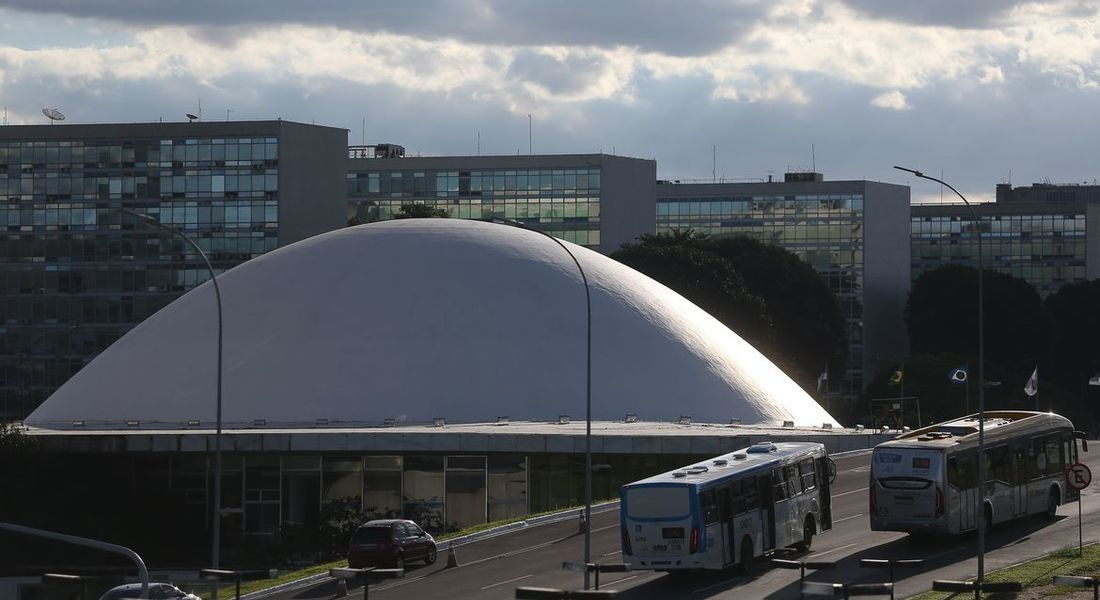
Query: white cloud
[{"x": 893, "y": 100}]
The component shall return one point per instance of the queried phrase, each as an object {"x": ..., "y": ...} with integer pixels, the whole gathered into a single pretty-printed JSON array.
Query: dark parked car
[{"x": 390, "y": 543}]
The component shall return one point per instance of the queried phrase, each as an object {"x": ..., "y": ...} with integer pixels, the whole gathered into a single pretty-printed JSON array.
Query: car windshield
[{"x": 371, "y": 535}]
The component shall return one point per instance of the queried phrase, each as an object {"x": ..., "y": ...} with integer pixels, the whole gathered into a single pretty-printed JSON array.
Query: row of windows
[
  {"x": 851, "y": 205},
  {"x": 226, "y": 245},
  {"x": 1015, "y": 463},
  {"x": 92, "y": 188},
  {"x": 1000, "y": 224},
  {"x": 189, "y": 214},
  {"x": 473, "y": 183},
  {"x": 188, "y": 151}
]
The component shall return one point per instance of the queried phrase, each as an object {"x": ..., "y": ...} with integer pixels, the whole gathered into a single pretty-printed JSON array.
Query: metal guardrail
[
  {"x": 596, "y": 568},
  {"x": 994, "y": 587},
  {"x": 814, "y": 589},
  {"x": 341, "y": 575},
  {"x": 891, "y": 563}
]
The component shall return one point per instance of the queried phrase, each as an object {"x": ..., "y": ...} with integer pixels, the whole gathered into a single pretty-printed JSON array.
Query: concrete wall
[
  {"x": 628, "y": 201},
  {"x": 886, "y": 279},
  {"x": 312, "y": 171}
]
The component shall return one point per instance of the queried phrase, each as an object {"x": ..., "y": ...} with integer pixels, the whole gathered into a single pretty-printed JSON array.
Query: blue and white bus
[{"x": 728, "y": 510}]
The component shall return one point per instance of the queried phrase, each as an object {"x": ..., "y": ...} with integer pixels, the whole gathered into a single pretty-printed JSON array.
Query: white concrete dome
[{"x": 425, "y": 318}]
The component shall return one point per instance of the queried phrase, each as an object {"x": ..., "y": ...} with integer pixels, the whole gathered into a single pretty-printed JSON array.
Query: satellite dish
[
  {"x": 53, "y": 114},
  {"x": 191, "y": 117}
]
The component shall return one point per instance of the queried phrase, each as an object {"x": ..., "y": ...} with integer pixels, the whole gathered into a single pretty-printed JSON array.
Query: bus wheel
[
  {"x": 807, "y": 535},
  {"x": 1052, "y": 504},
  {"x": 746, "y": 556}
]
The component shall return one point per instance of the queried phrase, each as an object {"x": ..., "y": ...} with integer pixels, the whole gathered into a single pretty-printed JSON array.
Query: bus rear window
[{"x": 657, "y": 502}]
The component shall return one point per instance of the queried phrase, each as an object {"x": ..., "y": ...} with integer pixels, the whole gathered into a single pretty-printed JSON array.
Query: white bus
[
  {"x": 927, "y": 480},
  {"x": 728, "y": 510}
]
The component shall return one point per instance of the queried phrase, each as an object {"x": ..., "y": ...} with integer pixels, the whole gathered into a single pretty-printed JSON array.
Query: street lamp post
[
  {"x": 980, "y": 512},
  {"x": 216, "y": 542},
  {"x": 588, "y": 394}
]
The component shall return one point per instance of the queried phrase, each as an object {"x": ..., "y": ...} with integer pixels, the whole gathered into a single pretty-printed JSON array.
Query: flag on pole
[
  {"x": 897, "y": 377},
  {"x": 823, "y": 379},
  {"x": 1095, "y": 379},
  {"x": 1032, "y": 386},
  {"x": 958, "y": 375}
]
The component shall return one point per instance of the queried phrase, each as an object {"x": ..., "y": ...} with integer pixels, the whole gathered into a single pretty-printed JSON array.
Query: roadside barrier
[
  {"x": 891, "y": 563},
  {"x": 802, "y": 565},
  {"x": 596, "y": 568},
  {"x": 1074, "y": 581},
  {"x": 540, "y": 593},
  {"x": 993, "y": 587},
  {"x": 814, "y": 589}
]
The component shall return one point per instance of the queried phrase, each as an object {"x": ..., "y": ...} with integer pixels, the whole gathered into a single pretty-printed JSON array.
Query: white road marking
[
  {"x": 508, "y": 581},
  {"x": 612, "y": 553},
  {"x": 706, "y": 589},
  {"x": 603, "y": 528},
  {"x": 817, "y": 554},
  {"x": 848, "y": 518},
  {"x": 849, "y": 492},
  {"x": 606, "y": 583}
]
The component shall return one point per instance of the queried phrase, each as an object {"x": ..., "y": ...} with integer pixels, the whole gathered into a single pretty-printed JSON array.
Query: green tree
[
  {"x": 809, "y": 326},
  {"x": 941, "y": 316},
  {"x": 704, "y": 278},
  {"x": 1075, "y": 357},
  {"x": 420, "y": 211}
]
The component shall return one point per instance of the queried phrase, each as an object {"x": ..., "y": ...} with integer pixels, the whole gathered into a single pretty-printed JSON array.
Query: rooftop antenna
[
  {"x": 53, "y": 115},
  {"x": 364, "y": 131},
  {"x": 813, "y": 158},
  {"x": 191, "y": 118},
  {"x": 5, "y": 115},
  {"x": 713, "y": 162},
  {"x": 200, "y": 109},
  {"x": 530, "y": 143},
  {"x": 227, "y": 111},
  {"x": 479, "y": 143}
]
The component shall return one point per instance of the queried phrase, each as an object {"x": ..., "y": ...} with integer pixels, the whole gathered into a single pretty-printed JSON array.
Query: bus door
[
  {"x": 962, "y": 477},
  {"x": 824, "y": 486},
  {"x": 1019, "y": 478},
  {"x": 767, "y": 503},
  {"x": 781, "y": 521},
  {"x": 725, "y": 524}
]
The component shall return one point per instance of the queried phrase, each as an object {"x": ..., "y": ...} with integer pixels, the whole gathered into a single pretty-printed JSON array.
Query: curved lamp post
[
  {"x": 216, "y": 550},
  {"x": 588, "y": 393},
  {"x": 979, "y": 514}
]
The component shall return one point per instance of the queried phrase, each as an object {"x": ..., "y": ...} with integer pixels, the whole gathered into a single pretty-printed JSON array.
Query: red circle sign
[{"x": 1078, "y": 476}]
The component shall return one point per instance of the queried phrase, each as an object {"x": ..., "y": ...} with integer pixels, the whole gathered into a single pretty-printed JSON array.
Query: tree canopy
[
  {"x": 794, "y": 318},
  {"x": 420, "y": 211},
  {"x": 942, "y": 312}
]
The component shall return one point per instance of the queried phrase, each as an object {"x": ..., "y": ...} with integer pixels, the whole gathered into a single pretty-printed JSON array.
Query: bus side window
[
  {"x": 1037, "y": 466},
  {"x": 710, "y": 511},
  {"x": 968, "y": 470},
  {"x": 806, "y": 469},
  {"x": 1069, "y": 448},
  {"x": 779, "y": 486},
  {"x": 954, "y": 476},
  {"x": 752, "y": 495},
  {"x": 1055, "y": 463},
  {"x": 724, "y": 508},
  {"x": 794, "y": 483}
]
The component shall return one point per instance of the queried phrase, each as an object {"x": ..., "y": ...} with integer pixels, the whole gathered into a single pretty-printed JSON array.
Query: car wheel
[
  {"x": 1052, "y": 504},
  {"x": 429, "y": 558},
  {"x": 400, "y": 562}
]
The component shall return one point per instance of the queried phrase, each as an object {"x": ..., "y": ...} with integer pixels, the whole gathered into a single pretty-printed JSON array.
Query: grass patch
[
  {"x": 248, "y": 587},
  {"x": 1037, "y": 573}
]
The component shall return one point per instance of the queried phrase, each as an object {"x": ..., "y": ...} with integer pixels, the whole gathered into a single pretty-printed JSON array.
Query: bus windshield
[{"x": 658, "y": 502}]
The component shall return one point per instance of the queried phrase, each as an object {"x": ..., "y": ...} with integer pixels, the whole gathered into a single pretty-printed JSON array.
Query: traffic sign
[{"x": 1078, "y": 476}]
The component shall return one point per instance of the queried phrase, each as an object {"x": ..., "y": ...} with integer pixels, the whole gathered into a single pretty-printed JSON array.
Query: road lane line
[
  {"x": 835, "y": 521},
  {"x": 712, "y": 586},
  {"x": 603, "y": 528},
  {"x": 606, "y": 583},
  {"x": 508, "y": 581},
  {"x": 612, "y": 553},
  {"x": 849, "y": 492},
  {"x": 817, "y": 554}
]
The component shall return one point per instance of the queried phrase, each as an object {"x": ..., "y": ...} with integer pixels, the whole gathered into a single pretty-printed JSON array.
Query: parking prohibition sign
[{"x": 1078, "y": 476}]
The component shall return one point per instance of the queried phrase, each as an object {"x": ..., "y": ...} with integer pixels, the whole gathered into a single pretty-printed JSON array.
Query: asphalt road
[{"x": 493, "y": 568}]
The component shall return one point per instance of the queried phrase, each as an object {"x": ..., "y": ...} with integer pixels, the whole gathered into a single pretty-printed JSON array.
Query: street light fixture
[
  {"x": 980, "y": 512},
  {"x": 588, "y": 393},
  {"x": 216, "y": 542}
]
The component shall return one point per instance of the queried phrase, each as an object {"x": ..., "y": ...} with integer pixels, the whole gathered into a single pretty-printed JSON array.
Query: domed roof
[{"x": 423, "y": 318}]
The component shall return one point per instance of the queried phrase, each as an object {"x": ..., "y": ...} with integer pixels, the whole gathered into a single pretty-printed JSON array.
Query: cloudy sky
[{"x": 982, "y": 89}]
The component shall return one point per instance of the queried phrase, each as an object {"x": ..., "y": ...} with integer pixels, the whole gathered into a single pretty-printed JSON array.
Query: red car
[{"x": 390, "y": 543}]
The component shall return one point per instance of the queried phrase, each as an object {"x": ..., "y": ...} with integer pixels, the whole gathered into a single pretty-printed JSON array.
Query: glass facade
[
  {"x": 75, "y": 274},
  {"x": 562, "y": 202},
  {"x": 824, "y": 230},
  {"x": 1047, "y": 250}
]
